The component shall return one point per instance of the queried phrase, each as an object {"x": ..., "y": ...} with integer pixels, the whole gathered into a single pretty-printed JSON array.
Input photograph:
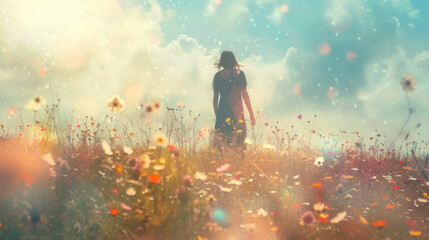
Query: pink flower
[
  {"x": 307, "y": 218},
  {"x": 300, "y": 116}
]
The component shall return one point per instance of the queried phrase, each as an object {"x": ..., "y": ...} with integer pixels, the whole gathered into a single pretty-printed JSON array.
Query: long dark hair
[{"x": 227, "y": 60}]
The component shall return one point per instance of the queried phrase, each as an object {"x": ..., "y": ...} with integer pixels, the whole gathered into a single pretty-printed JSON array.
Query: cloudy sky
[{"x": 339, "y": 59}]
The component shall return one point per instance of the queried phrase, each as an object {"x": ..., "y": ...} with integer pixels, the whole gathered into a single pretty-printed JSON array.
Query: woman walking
[{"x": 230, "y": 83}]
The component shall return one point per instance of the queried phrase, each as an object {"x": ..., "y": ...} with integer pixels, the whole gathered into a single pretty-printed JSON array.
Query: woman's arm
[
  {"x": 249, "y": 106},
  {"x": 215, "y": 102}
]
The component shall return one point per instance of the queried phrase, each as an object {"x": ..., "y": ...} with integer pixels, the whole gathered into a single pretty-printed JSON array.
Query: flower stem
[{"x": 410, "y": 112}]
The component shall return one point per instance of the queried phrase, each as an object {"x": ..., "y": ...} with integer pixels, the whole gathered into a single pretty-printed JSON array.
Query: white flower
[
  {"x": 235, "y": 181},
  {"x": 318, "y": 207},
  {"x": 319, "y": 161},
  {"x": 48, "y": 158},
  {"x": 128, "y": 150},
  {"x": 268, "y": 146},
  {"x": 248, "y": 141},
  {"x": 144, "y": 161},
  {"x": 225, "y": 189},
  {"x": 262, "y": 212},
  {"x": 158, "y": 167},
  {"x": 340, "y": 216},
  {"x": 160, "y": 139},
  {"x": 131, "y": 191},
  {"x": 35, "y": 103},
  {"x": 201, "y": 176},
  {"x": 106, "y": 148}
]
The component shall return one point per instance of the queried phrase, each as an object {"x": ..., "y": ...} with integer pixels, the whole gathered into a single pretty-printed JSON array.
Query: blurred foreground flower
[
  {"x": 408, "y": 82},
  {"x": 174, "y": 150},
  {"x": 248, "y": 141},
  {"x": 116, "y": 104},
  {"x": 35, "y": 103},
  {"x": 307, "y": 218},
  {"x": 156, "y": 106},
  {"x": 106, "y": 148},
  {"x": 318, "y": 207},
  {"x": 262, "y": 212},
  {"x": 268, "y": 146},
  {"x": 160, "y": 139},
  {"x": 319, "y": 161}
]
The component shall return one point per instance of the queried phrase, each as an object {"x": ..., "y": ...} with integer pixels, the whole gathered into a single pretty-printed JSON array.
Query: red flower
[
  {"x": 154, "y": 178},
  {"x": 174, "y": 150}
]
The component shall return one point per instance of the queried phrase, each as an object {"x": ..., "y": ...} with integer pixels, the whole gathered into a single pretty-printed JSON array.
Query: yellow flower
[
  {"x": 160, "y": 139},
  {"x": 227, "y": 120},
  {"x": 35, "y": 103},
  {"x": 408, "y": 82},
  {"x": 415, "y": 233},
  {"x": 116, "y": 104}
]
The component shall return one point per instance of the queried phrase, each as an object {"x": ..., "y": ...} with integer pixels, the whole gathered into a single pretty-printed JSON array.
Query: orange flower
[
  {"x": 317, "y": 184},
  {"x": 379, "y": 223},
  {"x": 28, "y": 179},
  {"x": 296, "y": 206},
  {"x": 114, "y": 211},
  {"x": 390, "y": 206},
  {"x": 372, "y": 204},
  {"x": 115, "y": 104},
  {"x": 154, "y": 178},
  {"x": 415, "y": 233}
]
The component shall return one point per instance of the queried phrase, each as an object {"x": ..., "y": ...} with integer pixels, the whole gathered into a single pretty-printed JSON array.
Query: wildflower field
[{"x": 159, "y": 177}]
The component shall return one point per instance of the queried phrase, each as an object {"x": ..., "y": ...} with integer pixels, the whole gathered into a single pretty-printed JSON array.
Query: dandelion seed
[{"x": 115, "y": 104}]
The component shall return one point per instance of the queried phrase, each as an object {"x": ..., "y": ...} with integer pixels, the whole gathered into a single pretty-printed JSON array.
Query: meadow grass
[{"x": 120, "y": 180}]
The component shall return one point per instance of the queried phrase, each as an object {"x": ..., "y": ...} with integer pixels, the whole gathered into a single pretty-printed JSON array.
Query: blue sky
[{"x": 346, "y": 57}]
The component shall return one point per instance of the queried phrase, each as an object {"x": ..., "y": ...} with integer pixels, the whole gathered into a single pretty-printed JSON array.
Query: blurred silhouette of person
[{"x": 230, "y": 83}]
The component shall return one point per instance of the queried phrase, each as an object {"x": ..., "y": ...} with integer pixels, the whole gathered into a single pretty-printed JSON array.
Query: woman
[{"x": 231, "y": 84}]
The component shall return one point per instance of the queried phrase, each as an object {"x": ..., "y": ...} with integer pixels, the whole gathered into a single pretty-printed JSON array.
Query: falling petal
[
  {"x": 223, "y": 168},
  {"x": 340, "y": 216}
]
